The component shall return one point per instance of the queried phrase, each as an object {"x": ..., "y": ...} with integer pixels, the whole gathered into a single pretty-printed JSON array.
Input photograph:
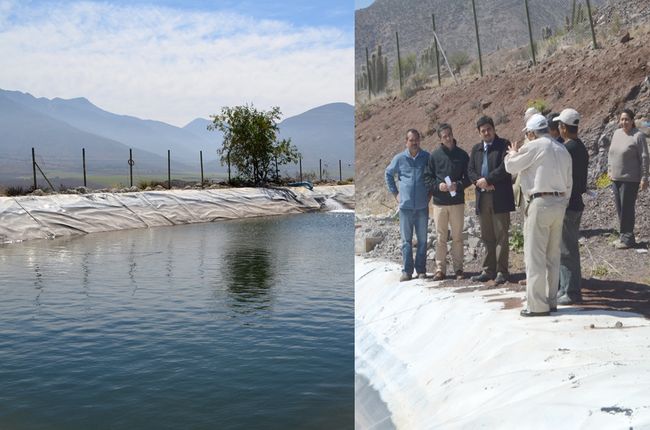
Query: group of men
[{"x": 550, "y": 168}]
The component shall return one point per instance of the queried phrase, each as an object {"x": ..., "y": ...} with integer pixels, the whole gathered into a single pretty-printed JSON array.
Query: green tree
[{"x": 251, "y": 143}]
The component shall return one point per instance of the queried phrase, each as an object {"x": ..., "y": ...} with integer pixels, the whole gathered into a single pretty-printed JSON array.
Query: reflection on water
[{"x": 249, "y": 276}]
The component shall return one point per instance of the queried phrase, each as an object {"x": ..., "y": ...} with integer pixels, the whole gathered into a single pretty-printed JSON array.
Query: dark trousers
[
  {"x": 494, "y": 234},
  {"x": 625, "y": 198},
  {"x": 570, "y": 271}
]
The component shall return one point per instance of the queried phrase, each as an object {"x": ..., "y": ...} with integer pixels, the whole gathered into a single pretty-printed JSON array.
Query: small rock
[{"x": 618, "y": 324}]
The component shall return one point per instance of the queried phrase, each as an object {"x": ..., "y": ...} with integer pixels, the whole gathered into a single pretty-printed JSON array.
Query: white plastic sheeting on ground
[
  {"x": 449, "y": 360},
  {"x": 32, "y": 217}
]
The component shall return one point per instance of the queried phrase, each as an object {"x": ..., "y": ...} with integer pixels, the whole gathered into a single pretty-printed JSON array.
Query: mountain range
[{"x": 59, "y": 128}]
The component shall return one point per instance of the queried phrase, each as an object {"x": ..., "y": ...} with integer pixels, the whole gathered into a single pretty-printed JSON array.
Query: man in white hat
[
  {"x": 545, "y": 169},
  {"x": 570, "y": 273}
]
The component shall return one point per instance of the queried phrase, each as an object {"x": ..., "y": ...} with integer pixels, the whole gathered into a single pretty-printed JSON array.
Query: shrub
[
  {"x": 603, "y": 181},
  {"x": 516, "y": 240},
  {"x": 15, "y": 191},
  {"x": 540, "y": 105}
]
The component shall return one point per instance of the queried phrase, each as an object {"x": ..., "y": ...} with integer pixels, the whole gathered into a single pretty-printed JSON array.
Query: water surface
[{"x": 238, "y": 324}]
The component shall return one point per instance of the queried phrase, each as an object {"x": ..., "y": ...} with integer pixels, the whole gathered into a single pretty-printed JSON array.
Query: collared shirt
[
  {"x": 544, "y": 166},
  {"x": 410, "y": 173}
]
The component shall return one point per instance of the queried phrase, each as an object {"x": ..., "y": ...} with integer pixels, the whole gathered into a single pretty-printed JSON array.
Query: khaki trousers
[
  {"x": 494, "y": 234},
  {"x": 449, "y": 216},
  {"x": 542, "y": 240}
]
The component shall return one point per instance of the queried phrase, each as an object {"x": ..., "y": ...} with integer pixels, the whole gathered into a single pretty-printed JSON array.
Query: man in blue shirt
[{"x": 413, "y": 199}]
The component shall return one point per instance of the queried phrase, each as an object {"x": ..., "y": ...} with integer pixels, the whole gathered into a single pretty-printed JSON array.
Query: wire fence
[
  {"x": 428, "y": 52},
  {"x": 46, "y": 170}
]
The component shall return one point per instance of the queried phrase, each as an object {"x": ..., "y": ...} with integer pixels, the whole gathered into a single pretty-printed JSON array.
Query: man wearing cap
[
  {"x": 570, "y": 273},
  {"x": 413, "y": 200},
  {"x": 554, "y": 127},
  {"x": 494, "y": 200},
  {"x": 545, "y": 169},
  {"x": 446, "y": 178},
  {"x": 519, "y": 198}
]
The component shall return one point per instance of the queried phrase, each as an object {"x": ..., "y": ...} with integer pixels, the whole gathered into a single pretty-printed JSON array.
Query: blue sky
[
  {"x": 359, "y": 4},
  {"x": 177, "y": 60}
]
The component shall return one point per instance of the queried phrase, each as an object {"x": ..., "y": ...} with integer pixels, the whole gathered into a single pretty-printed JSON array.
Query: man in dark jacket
[
  {"x": 446, "y": 179},
  {"x": 494, "y": 200},
  {"x": 570, "y": 271}
]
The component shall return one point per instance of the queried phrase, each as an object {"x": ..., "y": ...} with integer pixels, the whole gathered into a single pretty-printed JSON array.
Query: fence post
[
  {"x": 83, "y": 159},
  {"x": 530, "y": 33},
  {"x": 399, "y": 62},
  {"x": 435, "y": 44},
  {"x": 228, "y": 160},
  {"x": 300, "y": 164},
  {"x": 201, "y": 159},
  {"x": 169, "y": 170},
  {"x": 320, "y": 169},
  {"x": 591, "y": 24},
  {"x": 34, "y": 167},
  {"x": 340, "y": 172},
  {"x": 277, "y": 172},
  {"x": 478, "y": 41},
  {"x": 131, "y": 166}
]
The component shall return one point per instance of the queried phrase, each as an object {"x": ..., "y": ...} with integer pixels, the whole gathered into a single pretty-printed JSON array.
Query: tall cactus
[
  {"x": 378, "y": 71},
  {"x": 362, "y": 79}
]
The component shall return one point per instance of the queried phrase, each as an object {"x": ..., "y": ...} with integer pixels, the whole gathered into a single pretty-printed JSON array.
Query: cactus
[
  {"x": 378, "y": 71},
  {"x": 362, "y": 79}
]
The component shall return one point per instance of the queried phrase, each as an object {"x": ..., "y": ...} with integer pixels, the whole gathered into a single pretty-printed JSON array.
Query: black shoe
[
  {"x": 568, "y": 300},
  {"x": 501, "y": 278},
  {"x": 483, "y": 277},
  {"x": 527, "y": 313},
  {"x": 553, "y": 308}
]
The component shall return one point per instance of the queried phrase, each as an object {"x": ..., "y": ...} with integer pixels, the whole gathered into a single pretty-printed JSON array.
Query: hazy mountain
[
  {"x": 153, "y": 136},
  {"x": 502, "y": 24},
  {"x": 325, "y": 132},
  {"x": 58, "y": 146},
  {"x": 59, "y": 128}
]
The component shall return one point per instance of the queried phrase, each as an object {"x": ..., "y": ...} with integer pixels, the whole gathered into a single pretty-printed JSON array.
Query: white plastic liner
[
  {"x": 40, "y": 217},
  {"x": 441, "y": 359}
]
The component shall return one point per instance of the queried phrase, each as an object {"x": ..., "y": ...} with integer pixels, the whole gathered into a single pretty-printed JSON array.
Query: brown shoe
[
  {"x": 439, "y": 276},
  {"x": 460, "y": 275},
  {"x": 523, "y": 282}
]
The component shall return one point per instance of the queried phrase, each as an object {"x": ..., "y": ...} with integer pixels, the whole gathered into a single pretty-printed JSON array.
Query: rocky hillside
[
  {"x": 595, "y": 82},
  {"x": 598, "y": 83},
  {"x": 502, "y": 24}
]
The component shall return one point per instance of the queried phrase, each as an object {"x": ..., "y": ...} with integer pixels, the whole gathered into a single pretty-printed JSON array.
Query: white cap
[
  {"x": 536, "y": 122},
  {"x": 530, "y": 112},
  {"x": 568, "y": 116}
]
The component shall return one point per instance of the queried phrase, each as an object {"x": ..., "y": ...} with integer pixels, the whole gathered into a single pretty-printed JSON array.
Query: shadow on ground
[{"x": 616, "y": 295}]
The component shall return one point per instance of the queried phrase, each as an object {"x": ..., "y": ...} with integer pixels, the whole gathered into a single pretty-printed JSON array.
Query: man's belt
[{"x": 553, "y": 193}]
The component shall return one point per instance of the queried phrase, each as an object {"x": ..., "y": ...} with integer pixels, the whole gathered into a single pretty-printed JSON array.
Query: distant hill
[
  {"x": 59, "y": 128},
  {"x": 323, "y": 133}
]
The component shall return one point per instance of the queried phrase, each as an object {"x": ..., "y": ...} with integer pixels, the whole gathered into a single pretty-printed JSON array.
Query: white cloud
[{"x": 168, "y": 64}]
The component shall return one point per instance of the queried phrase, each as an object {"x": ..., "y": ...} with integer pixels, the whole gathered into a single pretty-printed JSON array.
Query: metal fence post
[
  {"x": 320, "y": 169},
  {"x": 131, "y": 162},
  {"x": 478, "y": 41},
  {"x": 228, "y": 160},
  {"x": 34, "y": 167},
  {"x": 435, "y": 44},
  {"x": 340, "y": 172},
  {"x": 201, "y": 159},
  {"x": 83, "y": 159},
  {"x": 591, "y": 24},
  {"x": 530, "y": 33},
  {"x": 399, "y": 62},
  {"x": 300, "y": 164},
  {"x": 169, "y": 170}
]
